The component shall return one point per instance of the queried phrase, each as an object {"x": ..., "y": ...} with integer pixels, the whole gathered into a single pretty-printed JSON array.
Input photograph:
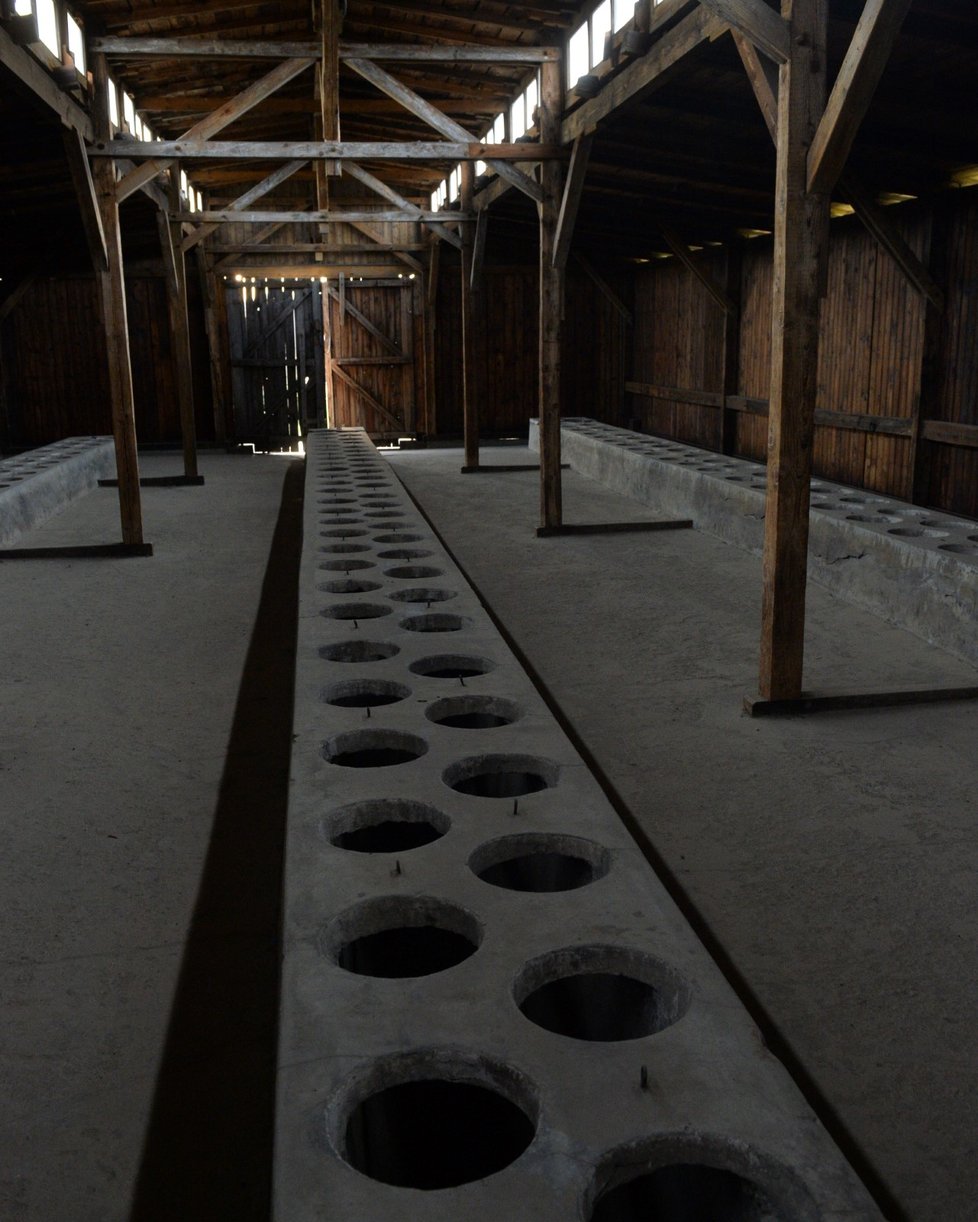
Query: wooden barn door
[
  {"x": 372, "y": 340},
  {"x": 277, "y": 362}
]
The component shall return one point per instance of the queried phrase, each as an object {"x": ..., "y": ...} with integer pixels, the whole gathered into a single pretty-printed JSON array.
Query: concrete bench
[
  {"x": 36, "y": 485},
  {"x": 914, "y": 567}
]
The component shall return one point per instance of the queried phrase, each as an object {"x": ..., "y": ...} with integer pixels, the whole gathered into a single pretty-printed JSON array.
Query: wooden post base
[
  {"x": 834, "y": 702},
  {"x": 93, "y": 551}
]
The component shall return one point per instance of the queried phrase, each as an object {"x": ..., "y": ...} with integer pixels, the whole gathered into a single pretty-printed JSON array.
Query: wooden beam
[
  {"x": 682, "y": 253},
  {"x": 339, "y": 216},
  {"x": 763, "y": 77},
  {"x": 571, "y": 201},
  {"x": 329, "y": 75},
  {"x": 383, "y": 247},
  {"x": 430, "y": 327},
  {"x": 435, "y": 118},
  {"x": 950, "y": 434},
  {"x": 340, "y": 372},
  {"x": 211, "y": 124},
  {"x": 16, "y": 295},
  {"x": 648, "y": 72},
  {"x": 244, "y": 48},
  {"x": 758, "y": 23},
  {"x": 551, "y": 305},
  {"x": 312, "y": 150},
  {"x": 881, "y": 225},
  {"x": 243, "y": 202},
  {"x": 311, "y": 270},
  {"x": 112, "y": 293},
  {"x": 733, "y": 289},
  {"x": 801, "y": 225},
  {"x": 470, "y": 387},
  {"x": 91, "y": 218},
  {"x": 876, "y": 32},
  {"x": 308, "y": 248},
  {"x": 373, "y": 183},
  {"x": 167, "y": 253},
  {"x": 180, "y": 343},
  {"x": 479, "y": 248},
  {"x": 603, "y": 286},
  {"x": 18, "y": 63}
]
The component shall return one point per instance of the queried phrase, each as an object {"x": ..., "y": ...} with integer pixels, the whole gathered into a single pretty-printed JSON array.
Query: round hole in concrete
[
  {"x": 857, "y": 517},
  {"x": 339, "y": 511},
  {"x": 906, "y": 532},
  {"x": 344, "y": 548},
  {"x": 373, "y": 748},
  {"x": 337, "y": 500},
  {"x": 350, "y": 586},
  {"x": 336, "y": 532},
  {"x": 423, "y": 594},
  {"x": 356, "y": 611},
  {"x": 473, "y": 712},
  {"x": 501, "y": 776},
  {"x": 346, "y": 566},
  {"x": 397, "y": 936},
  {"x": 452, "y": 666},
  {"x": 540, "y": 863},
  {"x": 405, "y": 553},
  {"x": 364, "y": 693},
  {"x": 433, "y": 1118},
  {"x": 435, "y": 621},
  {"x": 853, "y": 500},
  {"x": 384, "y": 513},
  {"x": 386, "y": 825},
  {"x": 376, "y": 483},
  {"x": 683, "y": 1177},
  {"x": 959, "y": 549},
  {"x": 601, "y": 993},
  {"x": 413, "y": 572},
  {"x": 359, "y": 651},
  {"x": 397, "y": 538}
]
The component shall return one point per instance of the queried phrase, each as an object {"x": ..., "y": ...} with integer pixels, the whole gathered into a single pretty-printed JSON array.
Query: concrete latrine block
[{"x": 491, "y": 1007}]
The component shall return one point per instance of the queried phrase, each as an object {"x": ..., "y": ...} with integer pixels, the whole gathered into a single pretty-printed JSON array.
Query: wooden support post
[
  {"x": 470, "y": 399},
  {"x": 430, "y": 329},
  {"x": 551, "y": 302},
  {"x": 329, "y": 68},
  {"x": 731, "y": 348},
  {"x": 112, "y": 292},
  {"x": 927, "y": 406},
  {"x": 180, "y": 337},
  {"x": 212, "y": 294},
  {"x": 801, "y": 224}
]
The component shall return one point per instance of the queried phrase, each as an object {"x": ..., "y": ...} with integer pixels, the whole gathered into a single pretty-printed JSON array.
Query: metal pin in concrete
[
  {"x": 397, "y": 871},
  {"x": 643, "y": 1078}
]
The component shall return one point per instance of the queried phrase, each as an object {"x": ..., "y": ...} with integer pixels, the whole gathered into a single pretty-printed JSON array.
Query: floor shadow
[{"x": 208, "y": 1147}]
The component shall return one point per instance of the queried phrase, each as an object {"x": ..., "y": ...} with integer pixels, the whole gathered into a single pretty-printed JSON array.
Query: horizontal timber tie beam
[
  {"x": 237, "y": 48},
  {"x": 317, "y": 271},
  {"x": 314, "y": 150},
  {"x": 338, "y": 217}
]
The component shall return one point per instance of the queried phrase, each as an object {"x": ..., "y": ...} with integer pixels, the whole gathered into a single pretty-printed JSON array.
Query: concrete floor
[
  {"x": 832, "y": 859},
  {"x": 144, "y": 732}
]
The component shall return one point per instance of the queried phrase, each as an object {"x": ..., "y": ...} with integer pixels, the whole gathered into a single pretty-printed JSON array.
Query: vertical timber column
[
  {"x": 212, "y": 292},
  {"x": 800, "y": 234},
  {"x": 430, "y": 330},
  {"x": 551, "y": 300},
  {"x": 180, "y": 334},
  {"x": 470, "y": 397},
  {"x": 112, "y": 293}
]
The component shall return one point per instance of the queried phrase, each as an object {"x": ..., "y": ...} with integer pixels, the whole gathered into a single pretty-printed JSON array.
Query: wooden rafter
[
  {"x": 313, "y": 150},
  {"x": 571, "y": 200},
  {"x": 91, "y": 218},
  {"x": 209, "y": 126},
  {"x": 237, "y": 48},
  {"x": 244, "y": 201},
  {"x": 439, "y": 121},
  {"x": 758, "y": 23},
  {"x": 763, "y": 77},
  {"x": 412, "y": 211},
  {"x": 875, "y": 33},
  {"x": 683, "y": 254}
]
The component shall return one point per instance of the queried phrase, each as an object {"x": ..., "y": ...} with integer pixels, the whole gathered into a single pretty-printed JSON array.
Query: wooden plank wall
[
  {"x": 55, "y": 368},
  {"x": 391, "y": 308},
  {"x": 593, "y": 358},
  {"x": 872, "y": 354}
]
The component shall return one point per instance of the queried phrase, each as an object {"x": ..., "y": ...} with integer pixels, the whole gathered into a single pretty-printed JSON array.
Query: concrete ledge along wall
[
  {"x": 36, "y": 485},
  {"x": 915, "y": 567},
  {"x": 491, "y": 1008}
]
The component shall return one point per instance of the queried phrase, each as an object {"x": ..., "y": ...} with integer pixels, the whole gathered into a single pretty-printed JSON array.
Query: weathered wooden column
[
  {"x": 212, "y": 292},
  {"x": 551, "y": 299},
  {"x": 180, "y": 332},
  {"x": 470, "y": 391},
  {"x": 800, "y": 233},
  {"x": 112, "y": 292},
  {"x": 430, "y": 330}
]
